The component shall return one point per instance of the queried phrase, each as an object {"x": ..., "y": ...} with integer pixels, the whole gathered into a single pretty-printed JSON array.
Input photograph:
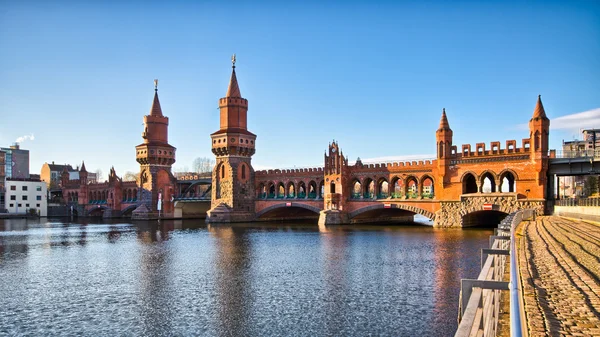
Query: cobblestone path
[{"x": 560, "y": 274}]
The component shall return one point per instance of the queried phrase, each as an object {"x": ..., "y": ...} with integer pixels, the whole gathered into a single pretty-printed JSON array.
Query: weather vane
[
  {"x": 233, "y": 60},
  {"x": 155, "y": 84}
]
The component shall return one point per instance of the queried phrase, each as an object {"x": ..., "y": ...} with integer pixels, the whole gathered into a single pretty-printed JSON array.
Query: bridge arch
[
  {"x": 409, "y": 208},
  {"x": 285, "y": 205},
  {"x": 97, "y": 209},
  {"x": 355, "y": 188},
  {"x": 128, "y": 210}
]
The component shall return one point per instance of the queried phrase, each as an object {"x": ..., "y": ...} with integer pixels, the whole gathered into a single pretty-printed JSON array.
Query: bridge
[{"x": 463, "y": 185}]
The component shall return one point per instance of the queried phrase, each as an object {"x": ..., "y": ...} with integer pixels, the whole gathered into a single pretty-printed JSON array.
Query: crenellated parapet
[{"x": 494, "y": 150}]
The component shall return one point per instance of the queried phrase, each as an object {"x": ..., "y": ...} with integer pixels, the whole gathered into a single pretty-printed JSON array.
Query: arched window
[
  {"x": 243, "y": 171},
  {"x": 222, "y": 171},
  {"x": 356, "y": 189},
  {"x": 469, "y": 184},
  {"x": 488, "y": 183},
  {"x": 507, "y": 183},
  {"x": 332, "y": 187}
]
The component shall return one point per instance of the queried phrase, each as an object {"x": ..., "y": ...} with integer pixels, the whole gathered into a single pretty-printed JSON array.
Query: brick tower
[
  {"x": 336, "y": 187},
  {"x": 443, "y": 138},
  {"x": 539, "y": 129},
  {"x": 233, "y": 195},
  {"x": 156, "y": 156}
]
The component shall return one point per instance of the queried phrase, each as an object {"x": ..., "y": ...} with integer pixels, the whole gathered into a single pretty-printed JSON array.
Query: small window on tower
[{"x": 243, "y": 171}]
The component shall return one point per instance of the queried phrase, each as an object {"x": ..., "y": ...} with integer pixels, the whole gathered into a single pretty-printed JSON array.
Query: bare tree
[
  {"x": 203, "y": 164},
  {"x": 99, "y": 177},
  {"x": 130, "y": 176}
]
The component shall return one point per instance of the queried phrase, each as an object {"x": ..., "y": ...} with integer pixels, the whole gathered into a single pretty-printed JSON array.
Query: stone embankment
[{"x": 559, "y": 262}]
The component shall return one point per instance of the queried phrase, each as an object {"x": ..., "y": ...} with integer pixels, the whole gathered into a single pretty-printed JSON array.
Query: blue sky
[{"x": 372, "y": 75}]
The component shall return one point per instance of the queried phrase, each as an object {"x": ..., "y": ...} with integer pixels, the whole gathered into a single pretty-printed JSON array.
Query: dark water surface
[{"x": 186, "y": 278}]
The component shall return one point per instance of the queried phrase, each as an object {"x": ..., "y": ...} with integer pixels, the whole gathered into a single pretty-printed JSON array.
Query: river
[{"x": 107, "y": 278}]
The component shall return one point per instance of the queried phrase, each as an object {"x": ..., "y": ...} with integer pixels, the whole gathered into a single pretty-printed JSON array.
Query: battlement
[
  {"x": 300, "y": 171},
  {"x": 225, "y": 101},
  {"x": 414, "y": 164},
  {"x": 495, "y": 149}
]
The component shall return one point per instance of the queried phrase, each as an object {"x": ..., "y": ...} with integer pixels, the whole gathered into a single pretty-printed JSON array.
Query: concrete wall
[{"x": 591, "y": 213}]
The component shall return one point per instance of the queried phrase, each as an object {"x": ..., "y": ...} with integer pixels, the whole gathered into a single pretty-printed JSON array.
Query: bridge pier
[{"x": 333, "y": 217}]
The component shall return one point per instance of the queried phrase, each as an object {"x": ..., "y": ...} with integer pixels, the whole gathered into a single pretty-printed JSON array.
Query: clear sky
[{"x": 78, "y": 76}]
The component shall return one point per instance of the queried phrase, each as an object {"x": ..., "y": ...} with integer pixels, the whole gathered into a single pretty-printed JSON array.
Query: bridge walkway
[{"x": 560, "y": 274}]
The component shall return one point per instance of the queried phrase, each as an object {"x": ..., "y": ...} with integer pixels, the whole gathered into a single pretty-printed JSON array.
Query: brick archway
[
  {"x": 284, "y": 205},
  {"x": 404, "y": 207}
]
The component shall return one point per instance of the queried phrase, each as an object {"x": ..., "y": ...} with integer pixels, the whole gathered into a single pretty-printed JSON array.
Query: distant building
[
  {"x": 2, "y": 179},
  {"x": 589, "y": 145},
  {"x": 51, "y": 174},
  {"x": 16, "y": 162},
  {"x": 24, "y": 195}
]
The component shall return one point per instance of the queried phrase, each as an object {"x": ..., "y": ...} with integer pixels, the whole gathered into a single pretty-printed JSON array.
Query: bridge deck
[{"x": 560, "y": 275}]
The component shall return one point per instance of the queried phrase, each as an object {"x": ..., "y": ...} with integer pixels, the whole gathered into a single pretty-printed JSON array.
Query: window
[
  {"x": 24, "y": 188},
  {"x": 38, "y": 197},
  {"x": 24, "y": 197},
  {"x": 13, "y": 187},
  {"x": 13, "y": 197},
  {"x": 18, "y": 205},
  {"x": 38, "y": 188},
  {"x": 37, "y": 205},
  {"x": 26, "y": 205},
  {"x": 11, "y": 205}
]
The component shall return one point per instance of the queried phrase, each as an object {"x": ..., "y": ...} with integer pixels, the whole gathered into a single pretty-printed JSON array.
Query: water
[{"x": 186, "y": 278}]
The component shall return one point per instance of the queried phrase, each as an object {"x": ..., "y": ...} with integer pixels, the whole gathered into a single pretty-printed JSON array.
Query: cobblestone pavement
[{"x": 560, "y": 275}]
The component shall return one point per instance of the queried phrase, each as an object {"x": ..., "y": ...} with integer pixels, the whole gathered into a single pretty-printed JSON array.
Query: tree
[
  {"x": 203, "y": 164},
  {"x": 130, "y": 176},
  {"x": 99, "y": 177},
  {"x": 591, "y": 185}
]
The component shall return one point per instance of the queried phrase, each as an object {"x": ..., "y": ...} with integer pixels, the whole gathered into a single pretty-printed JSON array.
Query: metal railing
[
  {"x": 594, "y": 202},
  {"x": 590, "y": 153},
  {"x": 479, "y": 304}
]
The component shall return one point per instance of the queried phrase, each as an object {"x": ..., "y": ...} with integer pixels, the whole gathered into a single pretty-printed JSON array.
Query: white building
[{"x": 23, "y": 195}]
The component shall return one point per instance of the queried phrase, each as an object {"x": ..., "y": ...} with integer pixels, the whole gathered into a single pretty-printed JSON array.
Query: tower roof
[
  {"x": 539, "y": 111},
  {"x": 233, "y": 90},
  {"x": 156, "y": 110},
  {"x": 82, "y": 167},
  {"x": 444, "y": 125}
]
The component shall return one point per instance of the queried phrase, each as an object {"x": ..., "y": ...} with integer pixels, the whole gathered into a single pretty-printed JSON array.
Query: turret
[
  {"x": 83, "y": 174},
  {"x": 539, "y": 129},
  {"x": 443, "y": 137}
]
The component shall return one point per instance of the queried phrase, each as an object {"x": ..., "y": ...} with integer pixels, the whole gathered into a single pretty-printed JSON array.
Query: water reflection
[
  {"x": 155, "y": 279},
  {"x": 333, "y": 245},
  {"x": 232, "y": 264},
  {"x": 187, "y": 278}
]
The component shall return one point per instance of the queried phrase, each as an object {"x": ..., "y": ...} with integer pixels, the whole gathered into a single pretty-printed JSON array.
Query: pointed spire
[
  {"x": 539, "y": 111},
  {"x": 444, "y": 125},
  {"x": 82, "y": 167},
  {"x": 156, "y": 110},
  {"x": 233, "y": 90}
]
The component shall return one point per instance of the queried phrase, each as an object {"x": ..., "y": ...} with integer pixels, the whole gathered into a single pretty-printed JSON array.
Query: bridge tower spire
[
  {"x": 233, "y": 195},
  {"x": 539, "y": 130},
  {"x": 443, "y": 138},
  {"x": 156, "y": 157}
]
